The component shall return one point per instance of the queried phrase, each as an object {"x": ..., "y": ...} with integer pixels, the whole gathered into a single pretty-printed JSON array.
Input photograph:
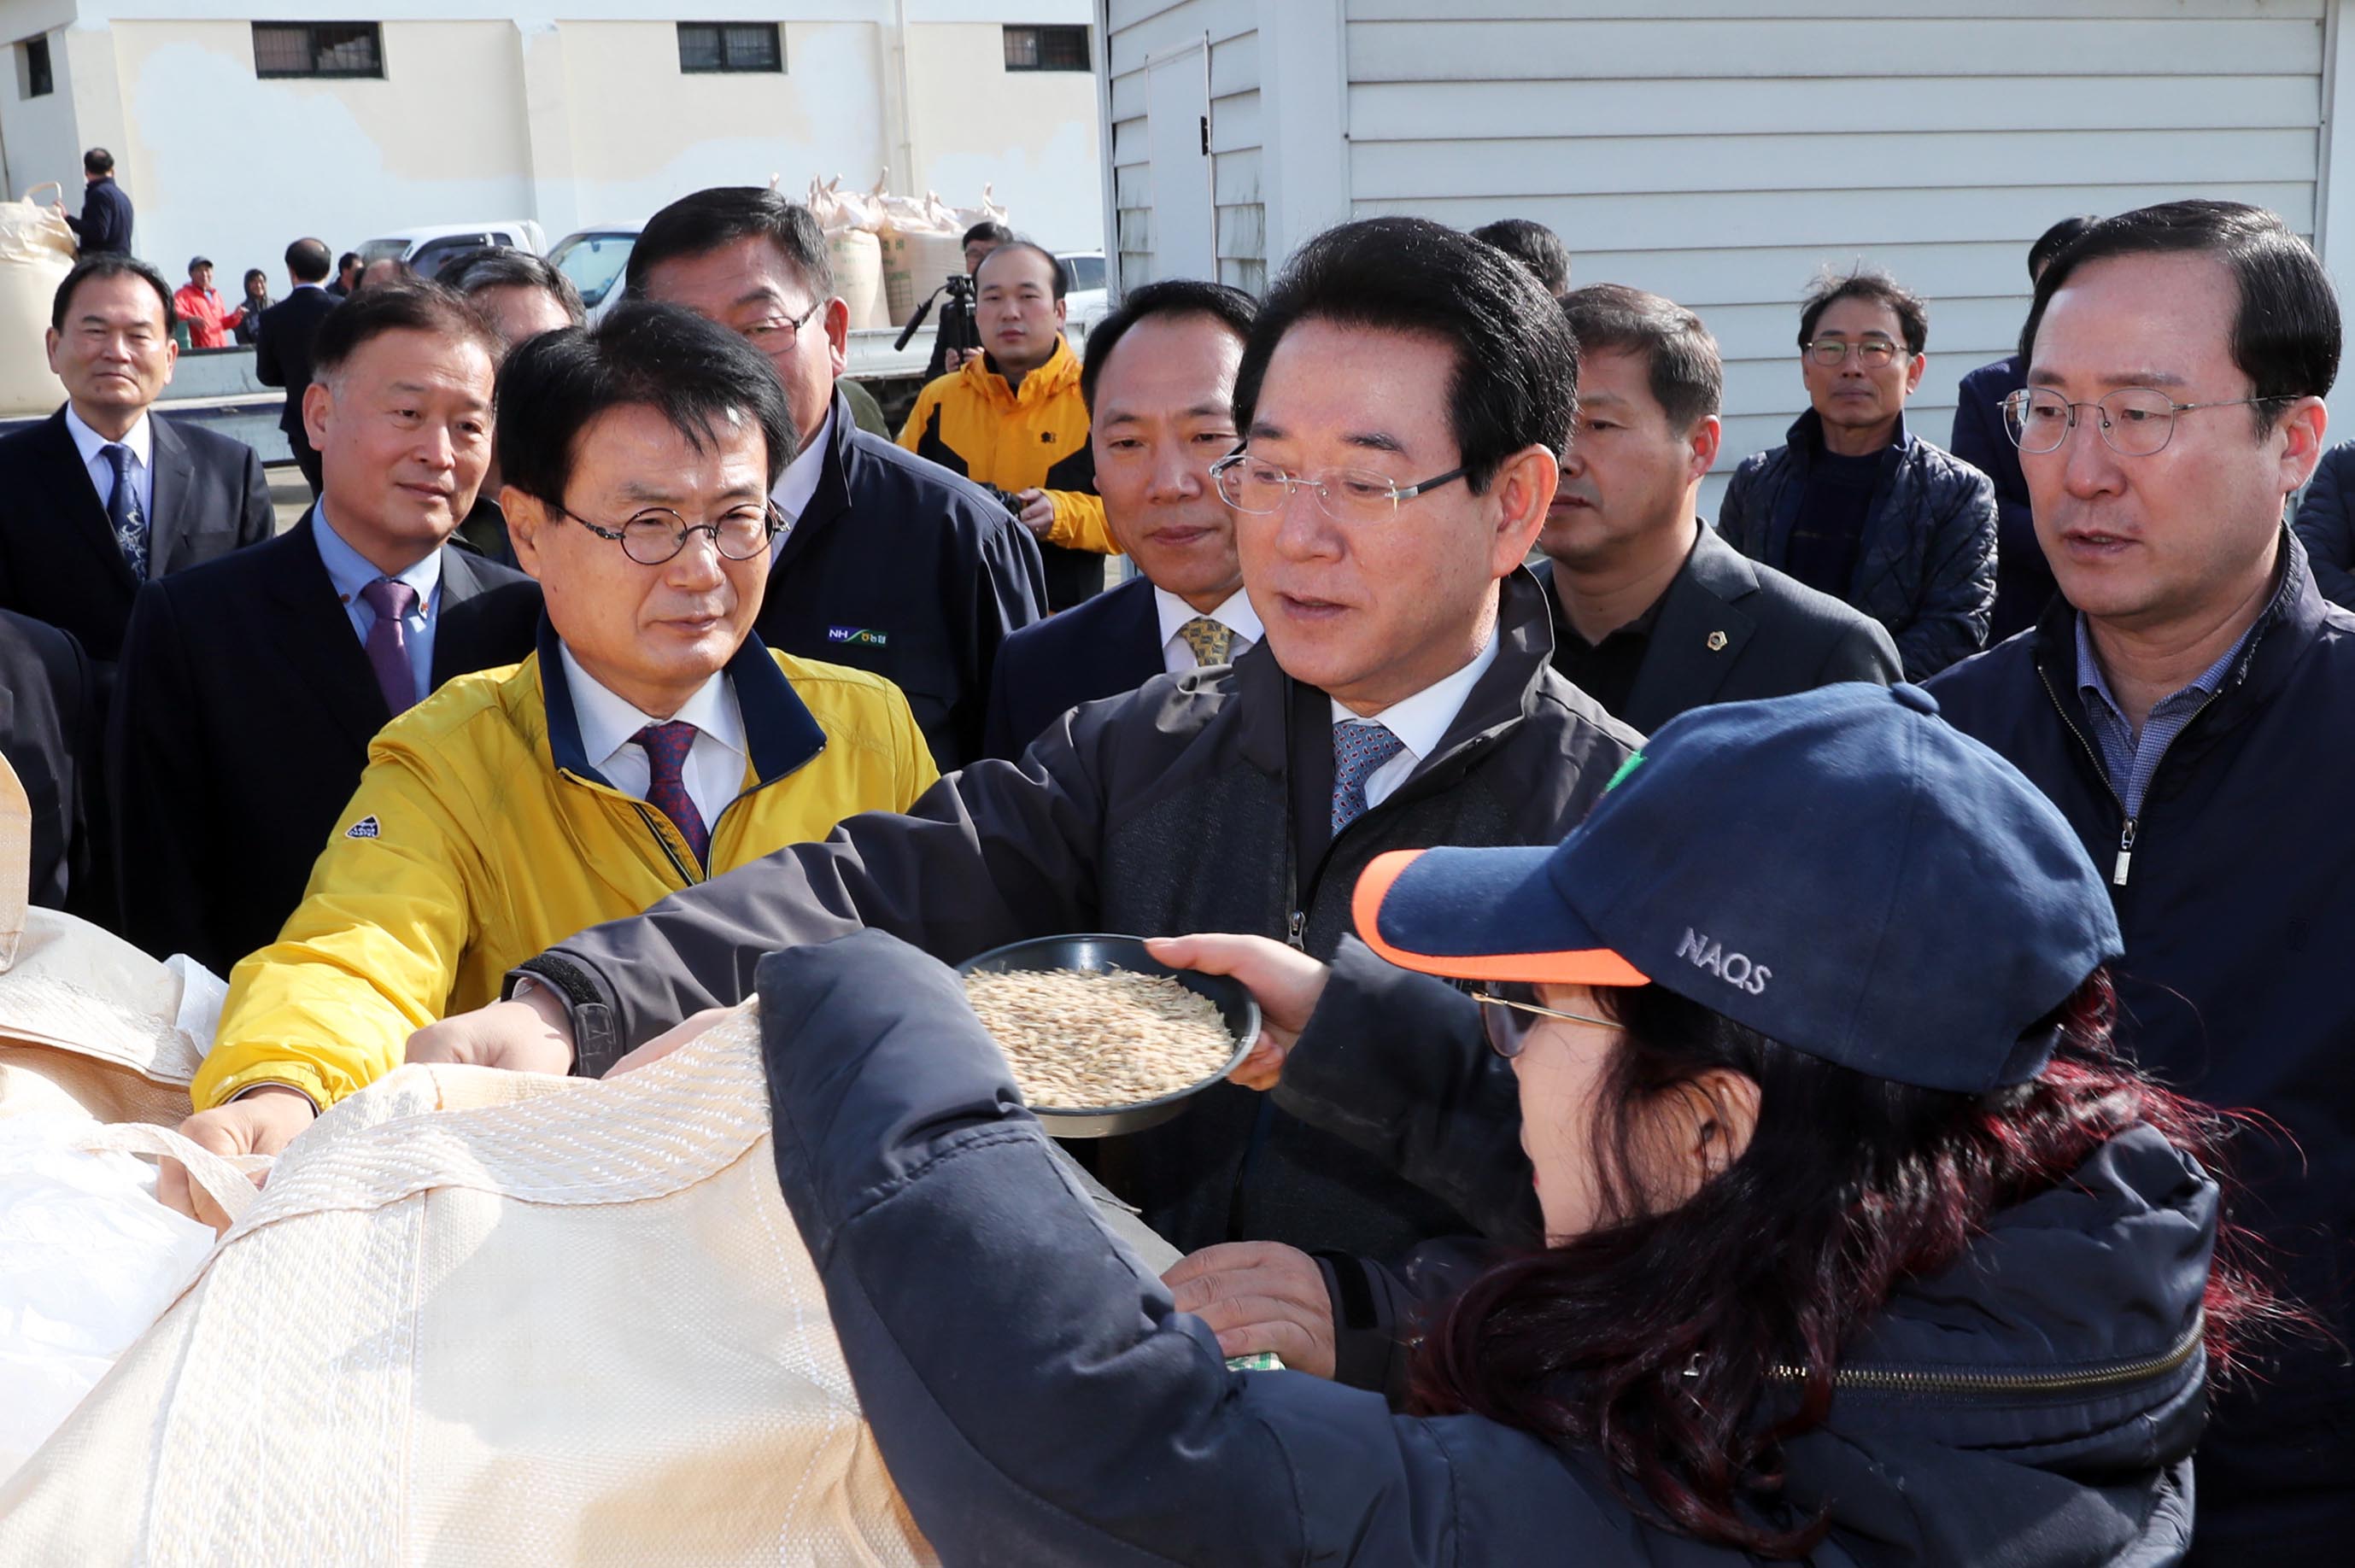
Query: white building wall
[
  {"x": 1136, "y": 30},
  {"x": 37, "y": 139}
]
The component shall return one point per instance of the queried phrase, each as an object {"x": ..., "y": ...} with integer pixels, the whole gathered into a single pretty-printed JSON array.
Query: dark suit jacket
[
  {"x": 2023, "y": 579},
  {"x": 1779, "y": 637},
  {"x": 240, "y": 727},
  {"x": 1110, "y": 644},
  {"x": 282, "y": 358},
  {"x": 59, "y": 561},
  {"x": 48, "y": 732},
  {"x": 105, "y": 221}
]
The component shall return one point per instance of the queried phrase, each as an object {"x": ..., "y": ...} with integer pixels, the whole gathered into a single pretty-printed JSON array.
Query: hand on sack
[
  {"x": 263, "y": 1121},
  {"x": 1038, "y": 512},
  {"x": 670, "y": 1040},
  {"x": 1283, "y": 982},
  {"x": 530, "y": 1034},
  {"x": 1257, "y": 1297}
]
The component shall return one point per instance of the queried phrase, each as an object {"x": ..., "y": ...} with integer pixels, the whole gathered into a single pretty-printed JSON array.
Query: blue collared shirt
[
  {"x": 2129, "y": 758},
  {"x": 350, "y": 571}
]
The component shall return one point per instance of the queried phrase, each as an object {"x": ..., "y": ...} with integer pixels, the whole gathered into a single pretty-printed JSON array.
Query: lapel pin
[{"x": 1717, "y": 642}]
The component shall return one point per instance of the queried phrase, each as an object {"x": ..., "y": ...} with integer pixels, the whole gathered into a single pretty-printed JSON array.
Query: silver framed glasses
[
  {"x": 656, "y": 535},
  {"x": 1509, "y": 1012},
  {"x": 1253, "y": 485},
  {"x": 2135, "y": 422},
  {"x": 778, "y": 332},
  {"x": 1873, "y": 353}
]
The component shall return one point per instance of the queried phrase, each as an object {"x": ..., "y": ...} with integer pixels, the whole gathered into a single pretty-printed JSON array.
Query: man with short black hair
[
  {"x": 1534, "y": 246},
  {"x": 1403, "y": 399},
  {"x": 1159, "y": 383},
  {"x": 2184, "y": 702},
  {"x": 888, "y": 564},
  {"x": 648, "y": 744},
  {"x": 104, "y": 494},
  {"x": 1014, "y": 419},
  {"x": 251, "y": 689},
  {"x": 282, "y": 358},
  {"x": 347, "y": 274},
  {"x": 521, "y": 296},
  {"x": 2023, "y": 582},
  {"x": 1856, "y": 506},
  {"x": 1653, "y": 613},
  {"x": 104, "y": 227},
  {"x": 956, "y": 313}
]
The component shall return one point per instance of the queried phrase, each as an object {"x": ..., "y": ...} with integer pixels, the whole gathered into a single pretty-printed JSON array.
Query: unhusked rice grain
[{"x": 1080, "y": 1040}]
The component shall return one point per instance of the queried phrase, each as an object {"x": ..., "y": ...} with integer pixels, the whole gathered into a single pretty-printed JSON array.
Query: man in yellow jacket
[
  {"x": 1014, "y": 419},
  {"x": 651, "y": 742}
]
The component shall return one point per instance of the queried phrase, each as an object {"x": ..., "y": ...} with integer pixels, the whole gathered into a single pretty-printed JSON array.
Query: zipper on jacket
[
  {"x": 1295, "y": 931},
  {"x": 2091, "y": 1379},
  {"x": 2130, "y": 827}
]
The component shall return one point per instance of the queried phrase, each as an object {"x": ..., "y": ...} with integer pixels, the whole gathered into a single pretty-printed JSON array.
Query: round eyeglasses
[
  {"x": 2135, "y": 422},
  {"x": 1508, "y": 1012},
  {"x": 656, "y": 535},
  {"x": 1254, "y": 485},
  {"x": 1873, "y": 353}
]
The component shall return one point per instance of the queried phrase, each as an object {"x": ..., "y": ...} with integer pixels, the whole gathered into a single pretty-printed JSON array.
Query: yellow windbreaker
[
  {"x": 971, "y": 423},
  {"x": 477, "y": 839}
]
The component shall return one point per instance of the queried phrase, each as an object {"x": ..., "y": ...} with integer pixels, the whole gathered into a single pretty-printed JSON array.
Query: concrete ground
[{"x": 288, "y": 494}]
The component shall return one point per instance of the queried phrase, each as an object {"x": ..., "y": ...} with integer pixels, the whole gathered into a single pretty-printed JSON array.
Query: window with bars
[
  {"x": 1046, "y": 48},
  {"x": 708, "y": 46},
  {"x": 318, "y": 48},
  {"x": 34, "y": 76}
]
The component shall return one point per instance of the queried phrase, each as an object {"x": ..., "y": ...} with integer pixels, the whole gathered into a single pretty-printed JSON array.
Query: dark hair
[
  {"x": 2285, "y": 334},
  {"x": 349, "y": 259},
  {"x": 253, "y": 272},
  {"x": 1866, "y": 284},
  {"x": 1515, "y": 382},
  {"x": 1229, "y": 307},
  {"x": 1655, "y": 1340},
  {"x": 2055, "y": 241},
  {"x": 1534, "y": 246},
  {"x": 98, "y": 161},
  {"x": 1010, "y": 247},
  {"x": 404, "y": 305},
  {"x": 109, "y": 264},
  {"x": 723, "y": 214},
  {"x": 307, "y": 260},
  {"x": 996, "y": 233},
  {"x": 1687, "y": 375},
  {"x": 662, "y": 356},
  {"x": 504, "y": 267}
]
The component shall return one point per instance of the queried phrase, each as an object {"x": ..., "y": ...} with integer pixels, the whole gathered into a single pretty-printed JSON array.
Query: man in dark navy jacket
[
  {"x": 1160, "y": 412},
  {"x": 889, "y": 563},
  {"x": 48, "y": 732},
  {"x": 282, "y": 358},
  {"x": 104, "y": 227},
  {"x": 2185, "y": 704}
]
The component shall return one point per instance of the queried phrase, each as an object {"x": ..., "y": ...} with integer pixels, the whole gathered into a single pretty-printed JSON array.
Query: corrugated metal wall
[{"x": 1140, "y": 28}]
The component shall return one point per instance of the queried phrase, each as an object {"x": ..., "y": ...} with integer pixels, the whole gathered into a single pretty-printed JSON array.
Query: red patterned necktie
[{"x": 666, "y": 747}]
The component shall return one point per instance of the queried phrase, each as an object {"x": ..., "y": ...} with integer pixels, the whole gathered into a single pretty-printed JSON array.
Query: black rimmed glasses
[
  {"x": 657, "y": 534},
  {"x": 1873, "y": 353},
  {"x": 2135, "y": 422},
  {"x": 1249, "y": 483},
  {"x": 1509, "y": 1011},
  {"x": 777, "y": 333}
]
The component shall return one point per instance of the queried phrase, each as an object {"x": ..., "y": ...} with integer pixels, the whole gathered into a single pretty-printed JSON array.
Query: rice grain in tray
[{"x": 1079, "y": 1039}]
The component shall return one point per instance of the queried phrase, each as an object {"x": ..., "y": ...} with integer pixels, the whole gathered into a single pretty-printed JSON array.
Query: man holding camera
[{"x": 1016, "y": 421}]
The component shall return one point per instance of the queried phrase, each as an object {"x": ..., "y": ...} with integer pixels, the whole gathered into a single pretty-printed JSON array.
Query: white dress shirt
[
  {"x": 1236, "y": 616},
  {"x": 1419, "y": 721},
  {"x": 140, "y": 439},
  {"x": 714, "y": 771},
  {"x": 798, "y": 483}
]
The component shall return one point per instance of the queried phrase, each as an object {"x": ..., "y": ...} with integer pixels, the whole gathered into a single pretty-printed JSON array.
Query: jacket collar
[
  {"x": 1499, "y": 700},
  {"x": 779, "y": 730},
  {"x": 833, "y": 498},
  {"x": 1806, "y": 436},
  {"x": 1699, "y": 634},
  {"x": 1058, "y": 374}
]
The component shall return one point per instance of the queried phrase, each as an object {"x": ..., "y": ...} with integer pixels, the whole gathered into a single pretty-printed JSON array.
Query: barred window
[
  {"x": 709, "y": 47},
  {"x": 1046, "y": 48},
  {"x": 318, "y": 48}
]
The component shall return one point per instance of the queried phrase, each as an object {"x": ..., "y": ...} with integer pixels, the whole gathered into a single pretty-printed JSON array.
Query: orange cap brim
[{"x": 1588, "y": 966}]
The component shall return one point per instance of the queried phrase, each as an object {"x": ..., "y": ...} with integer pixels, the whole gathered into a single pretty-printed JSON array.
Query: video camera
[{"x": 958, "y": 330}]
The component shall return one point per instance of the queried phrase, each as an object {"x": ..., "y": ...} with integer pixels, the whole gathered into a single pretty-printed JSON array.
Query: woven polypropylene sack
[
  {"x": 37, "y": 251},
  {"x": 481, "y": 1319}
]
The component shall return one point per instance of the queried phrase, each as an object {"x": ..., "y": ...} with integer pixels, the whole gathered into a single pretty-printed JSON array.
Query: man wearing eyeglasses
[
  {"x": 651, "y": 742},
  {"x": 2185, "y": 702},
  {"x": 1402, "y": 400},
  {"x": 1856, "y": 506},
  {"x": 888, "y": 563}
]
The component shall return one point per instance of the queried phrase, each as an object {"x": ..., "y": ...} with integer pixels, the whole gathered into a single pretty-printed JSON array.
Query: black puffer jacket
[
  {"x": 1041, "y": 1401},
  {"x": 1925, "y": 567}
]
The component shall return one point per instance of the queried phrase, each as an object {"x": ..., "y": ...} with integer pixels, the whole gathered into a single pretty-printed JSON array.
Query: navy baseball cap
[{"x": 1841, "y": 870}]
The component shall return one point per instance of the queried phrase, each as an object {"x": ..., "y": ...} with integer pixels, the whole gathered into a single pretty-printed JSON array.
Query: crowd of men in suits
[{"x": 583, "y": 619}]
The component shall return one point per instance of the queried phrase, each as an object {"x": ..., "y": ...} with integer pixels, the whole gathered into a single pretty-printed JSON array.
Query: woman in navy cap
[{"x": 1828, "y": 1224}]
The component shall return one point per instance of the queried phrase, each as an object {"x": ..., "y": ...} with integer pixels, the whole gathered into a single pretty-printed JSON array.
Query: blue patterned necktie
[
  {"x": 1360, "y": 750},
  {"x": 123, "y": 513},
  {"x": 666, "y": 747}
]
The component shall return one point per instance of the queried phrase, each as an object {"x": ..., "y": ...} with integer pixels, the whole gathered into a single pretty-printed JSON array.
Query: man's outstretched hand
[{"x": 531, "y": 1034}]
